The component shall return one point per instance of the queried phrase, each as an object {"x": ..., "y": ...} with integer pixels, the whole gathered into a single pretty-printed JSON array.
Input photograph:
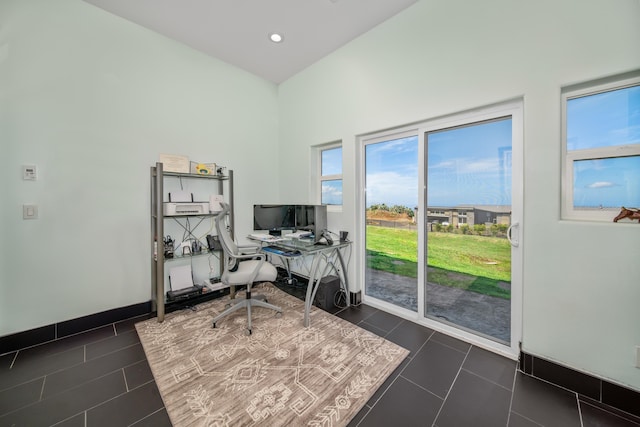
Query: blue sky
[
  {"x": 332, "y": 165},
  {"x": 468, "y": 165},
  {"x": 392, "y": 172},
  {"x": 605, "y": 120},
  {"x": 471, "y": 165}
]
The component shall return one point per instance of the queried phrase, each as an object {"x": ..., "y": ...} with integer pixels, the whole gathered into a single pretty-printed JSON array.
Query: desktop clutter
[
  {"x": 182, "y": 164},
  {"x": 293, "y": 231},
  {"x": 181, "y": 283},
  {"x": 182, "y": 204},
  {"x": 285, "y": 230},
  {"x": 305, "y": 224}
]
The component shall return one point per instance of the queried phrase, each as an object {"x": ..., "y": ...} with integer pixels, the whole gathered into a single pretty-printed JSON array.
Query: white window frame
[
  {"x": 512, "y": 108},
  {"x": 334, "y": 177},
  {"x": 570, "y": 156}
]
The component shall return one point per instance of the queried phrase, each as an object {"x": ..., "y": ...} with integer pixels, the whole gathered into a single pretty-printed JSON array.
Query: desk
[{"x": 329, "y": 253}]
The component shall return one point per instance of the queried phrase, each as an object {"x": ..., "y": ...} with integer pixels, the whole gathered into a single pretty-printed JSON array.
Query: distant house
[{"x": 469, "y": 214}]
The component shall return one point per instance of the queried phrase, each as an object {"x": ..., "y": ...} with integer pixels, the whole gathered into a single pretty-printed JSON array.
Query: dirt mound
[{"x": 388, "y": 216}]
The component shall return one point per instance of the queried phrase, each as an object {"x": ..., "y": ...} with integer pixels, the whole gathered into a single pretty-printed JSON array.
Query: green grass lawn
[{"x": 475, "y": 263}]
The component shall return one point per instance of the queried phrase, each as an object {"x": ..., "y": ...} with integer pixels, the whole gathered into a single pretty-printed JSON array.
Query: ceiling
[{"x": 237, "y": 31}]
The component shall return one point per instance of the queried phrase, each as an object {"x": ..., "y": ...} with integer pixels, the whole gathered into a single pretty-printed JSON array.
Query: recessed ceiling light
[{"x": 276, "y": 38}]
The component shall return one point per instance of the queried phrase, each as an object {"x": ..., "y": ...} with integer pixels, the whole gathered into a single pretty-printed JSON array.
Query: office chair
[{"x": 243, "y": 266}]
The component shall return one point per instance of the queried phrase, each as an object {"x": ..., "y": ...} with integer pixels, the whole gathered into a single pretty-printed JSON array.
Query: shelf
[
  {"x": 181, "y": 257},
  {"x": 159, "y": 263},
  {"x": 215, "y": 287},
  {"x": 193, "y": 175},
  {"x": 191, "y": 215},
  {"x": 207, "y": 295}
]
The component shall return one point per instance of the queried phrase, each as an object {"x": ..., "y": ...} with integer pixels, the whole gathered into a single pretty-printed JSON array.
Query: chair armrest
[
  {"x": 248, "y": 249},
  {"x": 257, "y": 255}
]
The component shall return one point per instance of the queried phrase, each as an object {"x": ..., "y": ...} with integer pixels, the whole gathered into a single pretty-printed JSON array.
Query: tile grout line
[
  {"x": 13, "y": 361},
  {"x": 579, "y": 410},
  {"x": 561, "y": 387},
  {"x": 600, "y": 391},
  {"x": 124, "y": 377},
  {"x": 400, "y": 375},
  {"x": 421, "y": 387},
  {"x": 513, "y": 392},
  {"x": 56, "y": 338},
  {"x": 397, "y": 326},
  {"x": 396, "y": 378},
  {"x": 475, "y": 374},
  {"x": 622, "y": 414},
  {"x": 146, "y": 416},
  {"x": 85, "y": 383},
  {"x": 44, "y": 381},
  {"x": 444, "y": 401},
  {"x": 381, "y": 396},
  {"x": 528, "y": 419},
  {"x": 453, "y": 348}
]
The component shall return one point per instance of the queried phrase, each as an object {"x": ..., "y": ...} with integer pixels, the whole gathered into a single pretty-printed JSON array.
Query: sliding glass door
[
  {"x": 391, "y": 232},
  {"x": 468, "y": 215},
  {"x": 441, "y": 218}
]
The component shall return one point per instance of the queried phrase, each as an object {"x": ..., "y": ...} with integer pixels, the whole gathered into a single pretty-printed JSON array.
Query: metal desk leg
[
  {"x": 340, "y": 271},
  {"x": 289, "y": 275},
  {"x": 344, "y": 276},
  {"x": 313, "y": 283}
]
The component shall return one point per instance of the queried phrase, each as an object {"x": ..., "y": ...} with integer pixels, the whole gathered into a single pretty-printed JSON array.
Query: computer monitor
[
  {"x": 274, "y": 218},
  {"x": 305, "y": 217},
  {"x": 312, "y": 218}
]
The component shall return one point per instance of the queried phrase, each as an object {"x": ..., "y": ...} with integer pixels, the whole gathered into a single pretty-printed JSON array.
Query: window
[
  {"x": 331, "y": 175},
  {"x": 601, "y": 148}
]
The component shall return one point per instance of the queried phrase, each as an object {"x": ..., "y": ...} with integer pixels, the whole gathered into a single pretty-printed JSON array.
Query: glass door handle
[{"x": 514, "y": 241}]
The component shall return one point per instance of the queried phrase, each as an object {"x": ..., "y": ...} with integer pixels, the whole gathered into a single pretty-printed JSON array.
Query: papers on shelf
[
  {"x": 180, "y": 277},
  {"x": 174, "y": 163}
]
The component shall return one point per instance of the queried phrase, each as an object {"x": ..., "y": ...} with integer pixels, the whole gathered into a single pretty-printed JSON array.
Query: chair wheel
[
  {"x": 214, "y": 325},
  {"x": 278, "y": 314},
  {"x": 227, "y": 306},
  {"x": 247, "y": 332}
]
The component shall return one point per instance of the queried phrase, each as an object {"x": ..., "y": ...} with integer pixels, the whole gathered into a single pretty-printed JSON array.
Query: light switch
[
  {"x": 29, "y": 172},
  {"x": 29, "y": 211}
]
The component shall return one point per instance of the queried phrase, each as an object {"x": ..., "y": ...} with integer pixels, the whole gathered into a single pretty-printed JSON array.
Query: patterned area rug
[{"x": 281, "y": 375}]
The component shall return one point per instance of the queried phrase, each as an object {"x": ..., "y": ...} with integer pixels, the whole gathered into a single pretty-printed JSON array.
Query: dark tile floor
[{"x": 102, "y": 378}]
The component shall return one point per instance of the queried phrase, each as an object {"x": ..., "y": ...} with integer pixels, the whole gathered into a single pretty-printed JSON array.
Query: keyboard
[{"x": 279, "y": 250}]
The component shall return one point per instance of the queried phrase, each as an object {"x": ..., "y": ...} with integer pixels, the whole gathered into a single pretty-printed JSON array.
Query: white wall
[
  {"x": 581, "y": 280},
  {"x": 92, "y": 100}
]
